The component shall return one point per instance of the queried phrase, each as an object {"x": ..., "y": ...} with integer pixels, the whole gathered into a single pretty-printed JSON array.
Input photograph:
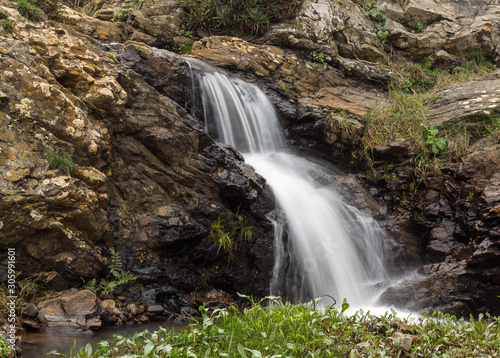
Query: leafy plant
[
  {"x": 419, "y": 27},
  {"x": 119, "y": 16},
  {"x": 382, "y": 31},
  {"x": 319, "y": 57},
  {"x": 376, "y": 13},
  {"x": 30, "y": 10},
  {"x": 61, "y": 161},
  {"x": 4, "y": 347},
  {"x": 7, "y": 25},
  {"x": 436, "y": 144}
]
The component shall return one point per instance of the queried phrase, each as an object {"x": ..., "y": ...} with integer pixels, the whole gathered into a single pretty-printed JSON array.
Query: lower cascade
[{"x": 323, "y": 245}]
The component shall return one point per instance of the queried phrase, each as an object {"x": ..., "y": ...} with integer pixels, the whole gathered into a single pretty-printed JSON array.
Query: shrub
[
  {"x": 233, "y": 17},
  {"x": 7, "y": 25},
  {"x": 119, "y": 16},
  {"x": 61, "y": 161},
  {"x": 30, "y": 10}
]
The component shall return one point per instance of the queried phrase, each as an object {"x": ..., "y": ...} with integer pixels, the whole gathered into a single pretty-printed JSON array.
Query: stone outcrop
[
  {"x": 331, "y": 27},
  {"x": 441, "y": 30}
]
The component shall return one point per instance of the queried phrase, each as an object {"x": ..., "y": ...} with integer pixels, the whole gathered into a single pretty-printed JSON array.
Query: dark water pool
[{"x": 36, "y": 345}]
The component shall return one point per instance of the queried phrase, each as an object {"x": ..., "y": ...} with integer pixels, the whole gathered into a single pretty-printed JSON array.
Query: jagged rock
[{"x": 329, "y": 27}]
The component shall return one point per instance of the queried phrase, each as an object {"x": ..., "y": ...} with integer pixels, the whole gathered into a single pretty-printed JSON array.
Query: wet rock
[
  {"x": 135, "y": 310},
  {"x": 31, "y": 311}
]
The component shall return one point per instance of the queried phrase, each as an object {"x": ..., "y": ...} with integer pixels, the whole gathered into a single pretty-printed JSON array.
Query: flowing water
[{"x": 323, "y": 245}]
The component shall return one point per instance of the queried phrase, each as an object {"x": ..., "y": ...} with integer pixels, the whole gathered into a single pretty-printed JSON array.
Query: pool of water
[{"x": 36, "y": 345}]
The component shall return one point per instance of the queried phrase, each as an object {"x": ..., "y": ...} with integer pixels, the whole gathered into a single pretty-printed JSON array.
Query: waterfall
[{"x": 323, "y": 245}]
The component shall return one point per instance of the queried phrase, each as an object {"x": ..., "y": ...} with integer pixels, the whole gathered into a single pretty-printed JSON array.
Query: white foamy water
[{"x": 323, "y": 245}]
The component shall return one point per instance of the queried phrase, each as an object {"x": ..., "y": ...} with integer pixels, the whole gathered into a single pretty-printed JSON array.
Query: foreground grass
[{"x": 286, "y": 330}]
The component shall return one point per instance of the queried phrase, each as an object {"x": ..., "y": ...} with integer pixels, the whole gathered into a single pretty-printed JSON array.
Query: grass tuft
[{"x": 61, "y": 161}]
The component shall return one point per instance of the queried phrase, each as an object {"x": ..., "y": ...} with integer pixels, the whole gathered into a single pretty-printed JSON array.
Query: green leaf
[
  {"x": 241, "y": 350},
  {"x": 442, "y": 144},
  {"x": 149, "y": 348}
]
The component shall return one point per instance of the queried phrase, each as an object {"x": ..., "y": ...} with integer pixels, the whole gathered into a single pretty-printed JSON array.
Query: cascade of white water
[{"x": 322, "y": 244}]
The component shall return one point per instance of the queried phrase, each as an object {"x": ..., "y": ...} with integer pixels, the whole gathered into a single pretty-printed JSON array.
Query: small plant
[
  {"x": 112, "y": 56},
  {"x": 119, "y": 17},
  {"x": 419, "y": 27},
  {"x": 30, "y": 10},
  {"x": 376, "y": 13},
  {"x": 319, "y": 57},
  {"x": 7, "y": 25},
  {"x": 4, "y": 347},
  {"x": 61, "y": 161},
  {"x": 436, "y": 144},
  {"x": 469, "y": 197},
  {"x": 231, "y": 236},
  {"x": 382, "y": 31}
]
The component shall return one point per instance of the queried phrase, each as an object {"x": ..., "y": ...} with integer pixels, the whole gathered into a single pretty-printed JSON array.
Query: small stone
[
  {"x": 135, "y": 309},
  {"x": 402, "y": 341},
  {"x": 155, "y": 309},
  {"x": 31, "y": 311},
  {"x": 108, "y": 304},
  {"x": 363, "y": 345}
]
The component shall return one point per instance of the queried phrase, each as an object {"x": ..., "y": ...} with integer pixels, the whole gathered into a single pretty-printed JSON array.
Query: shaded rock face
[{"x": 148, "y": 180}]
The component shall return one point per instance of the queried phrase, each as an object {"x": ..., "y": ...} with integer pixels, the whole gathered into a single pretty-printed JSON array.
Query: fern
[{"x": 116, "y": 265}]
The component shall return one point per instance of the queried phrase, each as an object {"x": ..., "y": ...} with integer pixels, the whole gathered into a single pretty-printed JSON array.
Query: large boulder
[
  {"x": 436, "y": 30},
  {"x": 73, "y": 311},
  {"x": 331, "y": 27}
]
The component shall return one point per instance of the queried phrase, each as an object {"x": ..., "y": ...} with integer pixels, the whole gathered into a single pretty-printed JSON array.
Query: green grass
[
  {"x": 231, "y": 235},
  {"x": 61, "y": 161},
  {"x": 286, "y": 330}
]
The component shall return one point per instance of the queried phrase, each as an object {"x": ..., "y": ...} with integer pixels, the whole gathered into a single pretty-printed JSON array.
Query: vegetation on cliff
[
  {"x": 406, "y": 117},
  {"x": 279, "y": 329}
]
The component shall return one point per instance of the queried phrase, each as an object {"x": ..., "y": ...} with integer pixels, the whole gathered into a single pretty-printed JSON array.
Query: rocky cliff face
[{"x": 149, "y": 182}]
